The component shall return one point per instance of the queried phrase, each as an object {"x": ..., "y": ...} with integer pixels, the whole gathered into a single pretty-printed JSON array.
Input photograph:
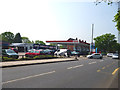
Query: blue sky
[{"x": 51, "y": 20}]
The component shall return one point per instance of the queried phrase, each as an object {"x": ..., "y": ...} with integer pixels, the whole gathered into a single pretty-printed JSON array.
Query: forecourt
[{"x": 84, "y": 73}]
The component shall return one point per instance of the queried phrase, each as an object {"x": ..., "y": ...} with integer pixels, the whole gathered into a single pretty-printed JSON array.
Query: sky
[{"x": 57, "y": 19}]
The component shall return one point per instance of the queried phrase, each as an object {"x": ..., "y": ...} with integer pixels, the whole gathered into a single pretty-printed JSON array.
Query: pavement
[{"x": 33, "y": 62}]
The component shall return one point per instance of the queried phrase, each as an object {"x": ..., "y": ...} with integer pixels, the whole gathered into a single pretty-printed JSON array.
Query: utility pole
[{"x": 92, "y": 39}]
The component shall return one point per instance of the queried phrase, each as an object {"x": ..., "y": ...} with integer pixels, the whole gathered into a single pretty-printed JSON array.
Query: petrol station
[{"x": 72, "y": 44}]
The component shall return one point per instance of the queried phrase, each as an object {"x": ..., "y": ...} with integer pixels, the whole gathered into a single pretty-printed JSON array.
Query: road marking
[
  {"x": 115, "y": 71},
  {"x": 101, "y": 61},
  {"x": 69, "y": 67},
  {"x": 103, "y": 67},
  {"x": 78, "y": 66},
  {"x": 28, "y": 77},
  {"x": 92, "y": 62},
  {"x": 75, "y": 66},
  {"x": 98, "y": 70}
]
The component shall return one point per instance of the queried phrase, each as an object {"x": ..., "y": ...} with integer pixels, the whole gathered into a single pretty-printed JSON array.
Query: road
[{"x": 88, "y": 73}]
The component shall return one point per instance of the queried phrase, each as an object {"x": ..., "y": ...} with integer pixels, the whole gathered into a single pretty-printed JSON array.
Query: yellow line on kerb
[{"x": 115, "y": 71}]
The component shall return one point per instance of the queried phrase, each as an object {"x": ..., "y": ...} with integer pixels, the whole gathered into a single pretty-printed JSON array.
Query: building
[
  {"x": 40, "y": 46},
  {"x": 22, "y": 47},
  {"x": 72, "y": 44}
]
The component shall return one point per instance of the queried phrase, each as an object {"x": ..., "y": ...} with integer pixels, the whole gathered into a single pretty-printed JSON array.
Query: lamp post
[{"x": 91, "y": 48}]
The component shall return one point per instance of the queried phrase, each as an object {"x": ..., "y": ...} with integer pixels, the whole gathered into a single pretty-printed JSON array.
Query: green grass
[
  {"x": 27, "y": 58},
  {"x": 8, "y": 59}
]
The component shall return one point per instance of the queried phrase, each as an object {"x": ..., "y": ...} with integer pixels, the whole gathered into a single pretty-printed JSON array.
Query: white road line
[
  {"x": 92, "y": 62},
  {"x": 101, "y": 60},
  {"x": 69, "y": 67},
  {"x": 75, "y": 66},
  {"x": 28, "y": 77}
]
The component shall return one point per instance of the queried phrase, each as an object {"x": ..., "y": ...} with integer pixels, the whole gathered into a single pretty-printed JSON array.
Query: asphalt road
[{"x": 90, "y": 73}]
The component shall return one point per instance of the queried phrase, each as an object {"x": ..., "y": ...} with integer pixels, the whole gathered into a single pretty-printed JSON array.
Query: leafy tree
[
  {"x": 26, "y": 40},
  {"x": 32, "y": 41},
  {"x": 106, "y": 43},
  {"x": 117, "y": 20},
  {"x": 18, "y": 38},
  {"x": 8, "y": 37},
  {"x": 39, "y": 42},
  {"x": 117, "y": 16},
  {"x": 52, "y": 44}
]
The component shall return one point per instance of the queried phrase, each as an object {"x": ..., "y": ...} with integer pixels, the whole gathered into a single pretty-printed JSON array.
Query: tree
[
  {"x": 109, "y": 2},
  {"x": 53, "y": 44},
  {"x": 8, "y": 37},
  {"x": 25, "y": 40},
  {"x": 117, "y": 20},
  {"x": 18, "y": 38},
  {"x": 39, "y": 42},
  {"x": 106, "y": 43},
  {"x": 117, "y": 16}
]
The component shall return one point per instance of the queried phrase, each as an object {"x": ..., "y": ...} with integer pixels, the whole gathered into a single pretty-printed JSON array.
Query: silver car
[
  {"x": 95, "y": 56},
  {"x": 115, "y": 56}
]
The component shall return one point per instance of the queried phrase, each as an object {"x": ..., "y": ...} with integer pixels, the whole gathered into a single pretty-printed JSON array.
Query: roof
[
  {"x": 67, "y": 42},
  {"x": 20, "y": 44}
]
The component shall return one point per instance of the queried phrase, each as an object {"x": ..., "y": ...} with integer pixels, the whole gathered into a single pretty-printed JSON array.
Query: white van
[{"x": 61, "y": 52}]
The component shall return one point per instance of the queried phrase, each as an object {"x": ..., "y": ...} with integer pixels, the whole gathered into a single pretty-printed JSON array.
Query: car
[
  {"x": 109, "y": 54},
  {"x": 61, "y": 52},
  {"x": 32, "y": 53},
  {"x": 115, "y": 56},
  {"x": 48, "y": 52},
  {"x": 9, "y": 53},
  {"x": 95, "y": 56},
  {"x": 75, "y": 53},
  {"x": 14, "y": 49}
]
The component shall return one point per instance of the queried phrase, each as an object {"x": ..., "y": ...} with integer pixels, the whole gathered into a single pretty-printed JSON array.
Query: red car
[{"x": 33, "y": 53}]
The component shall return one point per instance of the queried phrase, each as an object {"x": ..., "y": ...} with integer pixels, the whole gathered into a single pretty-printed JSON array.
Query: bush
[
  {"x": 8, "y": 59},
  {"x": 42, "y": 56}
]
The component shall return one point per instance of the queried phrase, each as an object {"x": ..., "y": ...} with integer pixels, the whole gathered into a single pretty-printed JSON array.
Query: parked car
[
  {"x": 95, "y": 56},
  {"x": 48, "y": 52},
  {"x": 61, "y": 52},
  {"x": 9, "y": 53},
  {"x": 32, "y": 53},
  {"x": 115, "y": 56},
  {"x": 75, "y": 53},
  {"x": 109, "y": 54},
  {"x": 14, "y": 49}
]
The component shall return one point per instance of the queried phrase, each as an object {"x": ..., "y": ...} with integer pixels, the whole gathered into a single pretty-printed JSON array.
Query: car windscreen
[
  {"x": 10, "y": 51},
  {"x": 115, "y": 54}
]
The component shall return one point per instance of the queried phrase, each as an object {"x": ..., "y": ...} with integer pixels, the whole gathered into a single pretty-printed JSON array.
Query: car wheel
[
  {"x": 91, "y": 57},
  {"x": 27, "y": 55},
  {"x": 16, "y": 57},
  {"x": 100, "y": 57},
  {"x": 64, "y": 55}
]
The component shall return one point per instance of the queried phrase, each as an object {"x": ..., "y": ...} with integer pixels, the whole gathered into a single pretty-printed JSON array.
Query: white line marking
[
  {"x": 101, "y": 61},
  {"x": 75, "y": 66},
  {"x": 70, "y": 68},
  {"x": 92, "y": 62},
  {"x": 28, "y": 77}
]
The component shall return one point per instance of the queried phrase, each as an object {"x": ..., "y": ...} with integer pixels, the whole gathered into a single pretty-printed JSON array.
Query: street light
[{"x": 92, "y": 39}]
